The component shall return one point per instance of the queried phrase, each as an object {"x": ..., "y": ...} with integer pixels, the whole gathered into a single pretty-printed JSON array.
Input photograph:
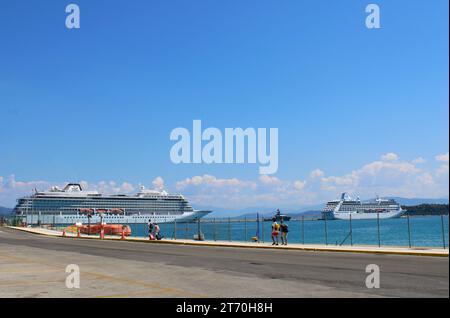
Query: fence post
[
  {"x": 378, "y": 229},
  {"x": 175, "y": 229},
  {"x": 303, "y": 229},
  {"x": 351, "y": 231},
  {"x": 245, "y": 231},
  {"x": 262, "y": 230},
  {"x": 443, "y": 230},
  {"x": 409, "y": 230},
  {"x": 326, "y": 230},
  {"x": 186, "y": 230},
  {"x": 199, "y": 230},
  {"x": 214, "y": 229},
  {"x": 229, "y": 229}
]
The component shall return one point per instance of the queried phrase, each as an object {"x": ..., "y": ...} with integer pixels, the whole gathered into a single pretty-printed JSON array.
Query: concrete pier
[{"x": 34, "y": 266}]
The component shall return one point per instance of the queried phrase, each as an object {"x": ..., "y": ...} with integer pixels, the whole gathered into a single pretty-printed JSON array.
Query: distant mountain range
[
  {"x": 405, "y": 201},
  {"x": 307, "y": 211},
  {"x": 5, "y": 211}
]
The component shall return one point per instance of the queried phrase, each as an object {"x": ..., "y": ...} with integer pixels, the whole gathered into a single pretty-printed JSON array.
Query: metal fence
[
  {"x": 429, "y": 231},
  {"x": 409, "y": 231}
]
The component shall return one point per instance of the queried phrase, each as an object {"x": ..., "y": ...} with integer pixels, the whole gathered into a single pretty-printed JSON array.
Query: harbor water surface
[{"x": 419, "y": 231}]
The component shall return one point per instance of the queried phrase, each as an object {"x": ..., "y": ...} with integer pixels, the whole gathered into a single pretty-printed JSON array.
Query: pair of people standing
[
  {"x": 154, "y": 231},
  {"x": 276, "y": 229}
]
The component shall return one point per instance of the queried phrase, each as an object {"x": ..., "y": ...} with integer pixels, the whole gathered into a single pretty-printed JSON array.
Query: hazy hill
[
  {"x": 307, "y": 211},
  {"x": 5, "y": 211}
]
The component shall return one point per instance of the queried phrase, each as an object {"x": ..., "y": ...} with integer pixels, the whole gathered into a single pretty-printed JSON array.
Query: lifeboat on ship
[
  {"x": 116, "y": 211},
  {"x": 86, "y": 211}
]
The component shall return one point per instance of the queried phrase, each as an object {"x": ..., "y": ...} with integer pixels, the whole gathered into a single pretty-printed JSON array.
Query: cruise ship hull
[
  {"x": 40, "y": 218},
  {"x": 367, "y": 216}
]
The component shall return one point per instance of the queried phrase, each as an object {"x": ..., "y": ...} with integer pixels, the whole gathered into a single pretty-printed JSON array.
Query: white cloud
[
  {"x": 425, "y": 179},
  {"x": 443, "y": 170},
  {"x": 268, "y": 180},
  {"x": 388, "y": 176},
  {"x": 419, "y": 160},
  {"x": 299, "y": 185},
  {"x": 443, "y": 158},
  {"x": 158, "y": 183},
  {"x": 127, "y": 187},
  {"x": 317, "y": 173},
  {"x": 109, "y": 187},
  {"x": 212, "y": 181},
  {"x": 389, "y": 157},
  {"x": 11, "y": 189},
  {"x": 13, "y": 184}
]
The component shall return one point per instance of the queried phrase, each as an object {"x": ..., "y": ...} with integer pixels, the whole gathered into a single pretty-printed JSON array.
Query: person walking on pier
[
  {"x": 158, "y": 235},
  {"x": 284, "y": 232},
  {"x": 150, "y": 230},
  {"x": 275, "y": 231}
]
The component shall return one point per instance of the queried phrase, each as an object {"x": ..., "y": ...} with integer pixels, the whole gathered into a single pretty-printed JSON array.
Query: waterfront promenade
[{"x": 34, "y": 266}]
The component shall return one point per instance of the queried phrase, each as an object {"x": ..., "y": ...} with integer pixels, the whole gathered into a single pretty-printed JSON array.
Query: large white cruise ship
[
  {"x": 346, "y": 207},
  {"x": 74, "y": 205}
]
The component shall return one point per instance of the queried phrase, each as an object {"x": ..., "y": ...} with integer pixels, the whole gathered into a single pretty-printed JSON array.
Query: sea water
[{"x": 422, "y": 231}]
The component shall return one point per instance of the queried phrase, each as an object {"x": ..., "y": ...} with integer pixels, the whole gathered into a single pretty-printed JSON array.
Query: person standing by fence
[
  {"x": 284, "y": 233},
  {"x": 275, "y": 231},
  {"x": 150, "y": 230}
]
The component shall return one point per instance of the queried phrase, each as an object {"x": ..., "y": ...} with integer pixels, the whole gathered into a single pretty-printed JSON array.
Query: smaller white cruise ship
[{"x": 346, "y": 207}]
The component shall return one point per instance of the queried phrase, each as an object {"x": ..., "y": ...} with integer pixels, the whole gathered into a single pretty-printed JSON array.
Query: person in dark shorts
[
  {"x": 150, "y": 229},
  {"x": 284, "y": 233},
  {"x": 158, "y": 235}
]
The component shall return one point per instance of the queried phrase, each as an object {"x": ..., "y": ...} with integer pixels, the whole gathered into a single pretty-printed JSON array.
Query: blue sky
[{"x": 97, "y": 104}]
